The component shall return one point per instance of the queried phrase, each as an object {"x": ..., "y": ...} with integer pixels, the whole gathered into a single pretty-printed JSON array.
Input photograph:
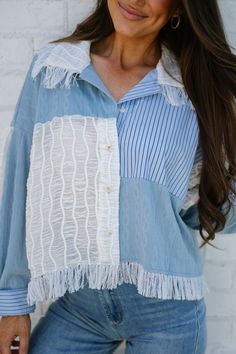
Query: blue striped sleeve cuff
[{"x": 13, "y": 302}]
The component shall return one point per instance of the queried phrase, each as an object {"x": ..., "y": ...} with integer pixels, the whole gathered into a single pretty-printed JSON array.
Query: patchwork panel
[{"x": 73, "y": 193}]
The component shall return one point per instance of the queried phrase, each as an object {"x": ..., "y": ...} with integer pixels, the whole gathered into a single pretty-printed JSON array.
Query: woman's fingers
[
  {"x": 15, "y": 343},
  {"x": 24, "y": 344},
  {"x": 12, "y": 328},
  {"x": 15, "y": 346}
]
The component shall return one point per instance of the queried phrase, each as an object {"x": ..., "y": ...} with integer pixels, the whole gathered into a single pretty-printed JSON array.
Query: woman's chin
[{"x": 127, "y": 30}]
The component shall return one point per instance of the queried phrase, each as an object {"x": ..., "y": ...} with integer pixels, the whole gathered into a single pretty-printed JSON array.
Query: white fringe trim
[
  {"x": 170, "y": 79},
  {"x": 63, "y": 63},
  {"x": 101, "y": 276},
  {"x": 176, "y": 96},
  {"x": 59, "y": 77}
]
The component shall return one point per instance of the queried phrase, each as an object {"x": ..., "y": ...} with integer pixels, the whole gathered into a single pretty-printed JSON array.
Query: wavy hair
[{"x": 208, "y": 68}]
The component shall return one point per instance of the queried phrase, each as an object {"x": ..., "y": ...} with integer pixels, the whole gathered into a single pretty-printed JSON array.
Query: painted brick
[
  {"x": 226, "y": 251},
  {"x": 234, "y": 278},
  {"x": 232, "y": 40},
  {"x": 216, "y": 330},
  {"x": 5, "y": 119},
  {"x": 228, "y": 10},
  {"x": 219, "y": 276},
  {"x": 220, "y": 349},
  {"x": 42, "y": 39},
  {"x": 10, "y": 86},
  {"x": 234, "y": 335},
  {"x": 32, "y": 15},
  {"x": 77, "y": 11},
  {"x": 221, "y": 304},
  {"x": 15, "y": 51}
]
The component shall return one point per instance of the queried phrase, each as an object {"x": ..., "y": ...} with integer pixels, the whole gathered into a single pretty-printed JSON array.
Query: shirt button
[
  {"x": 109, "y": 147},
  {"x": 109, "y": 189},
  {"x": 122, "y": 109},
  {"x": 109, "y": 232}
]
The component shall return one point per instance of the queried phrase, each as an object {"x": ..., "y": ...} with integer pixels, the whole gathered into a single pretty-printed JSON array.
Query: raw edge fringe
[
  {"x": 101, "y": 276},
  {"x": 176, "y": 95},
  {"x": 54, "y": 76}
]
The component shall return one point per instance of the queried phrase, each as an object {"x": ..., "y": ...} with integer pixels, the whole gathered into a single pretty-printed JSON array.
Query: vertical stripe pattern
[{"x": 158, "y": 141}]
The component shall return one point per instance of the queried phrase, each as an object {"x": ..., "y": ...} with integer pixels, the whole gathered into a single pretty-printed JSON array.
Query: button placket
[
  {"x": 109, "y": 187},
  {"x": 109, "y": 147},
  {"x": 109, "y": 190}
]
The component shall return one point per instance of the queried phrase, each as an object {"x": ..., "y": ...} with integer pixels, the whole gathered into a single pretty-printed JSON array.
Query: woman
[{"x": 122, "y": 136}]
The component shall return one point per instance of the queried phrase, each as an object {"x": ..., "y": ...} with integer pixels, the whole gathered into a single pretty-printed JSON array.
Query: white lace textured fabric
[
  {"x": 61, "y": 62},
  {"x": 73, "y": 195},
  {"x": 5, "y": 138},
  {"x": 193, "y": 186},
  {"x": 170, "y": 79}
]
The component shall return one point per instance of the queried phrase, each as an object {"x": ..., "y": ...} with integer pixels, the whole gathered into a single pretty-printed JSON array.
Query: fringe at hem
[{"x": 101, "y": 276}]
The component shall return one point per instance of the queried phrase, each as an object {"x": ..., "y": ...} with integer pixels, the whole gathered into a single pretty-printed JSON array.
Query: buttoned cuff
[{"x": 13, "y": 302}]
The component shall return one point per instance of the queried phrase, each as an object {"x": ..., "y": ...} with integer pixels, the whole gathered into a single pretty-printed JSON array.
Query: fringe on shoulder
[
  {"x": 62, "y": 62},
  {"x": 170, "y": 80}
]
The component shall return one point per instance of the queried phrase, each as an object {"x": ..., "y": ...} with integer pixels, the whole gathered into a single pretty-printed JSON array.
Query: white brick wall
[{"x": 24, "y": 26}]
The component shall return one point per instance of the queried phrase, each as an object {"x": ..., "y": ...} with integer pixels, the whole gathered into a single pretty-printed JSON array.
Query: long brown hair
[{"x": 208, "y": 68}]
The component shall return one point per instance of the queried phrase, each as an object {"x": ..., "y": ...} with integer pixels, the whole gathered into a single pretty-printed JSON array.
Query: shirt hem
[{"x": 55, "y": 284}]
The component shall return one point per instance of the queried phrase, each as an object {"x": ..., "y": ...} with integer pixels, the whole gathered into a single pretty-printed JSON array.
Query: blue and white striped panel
[{"x": 158, "y": 141}]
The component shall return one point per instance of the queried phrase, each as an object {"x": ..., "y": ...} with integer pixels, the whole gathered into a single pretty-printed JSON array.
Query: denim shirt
[{"x": 97, "y": 190}]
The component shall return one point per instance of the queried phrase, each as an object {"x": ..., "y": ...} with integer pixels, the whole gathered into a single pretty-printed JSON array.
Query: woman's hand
[{"x": 10, "y": 328}]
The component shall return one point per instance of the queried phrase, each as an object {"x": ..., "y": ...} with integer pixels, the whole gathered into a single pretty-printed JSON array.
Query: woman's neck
[{"x": 127, "y": 53}]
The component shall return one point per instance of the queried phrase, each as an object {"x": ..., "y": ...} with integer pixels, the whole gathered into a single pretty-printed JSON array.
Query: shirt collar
[
  {"x": 148, "y": 85},
  {"x": 75, "y": 57},
  {"x": 64, "y": 62}
]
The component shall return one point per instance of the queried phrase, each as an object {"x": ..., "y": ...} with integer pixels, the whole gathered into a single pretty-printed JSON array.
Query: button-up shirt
[{"x": 97, "y": 190}]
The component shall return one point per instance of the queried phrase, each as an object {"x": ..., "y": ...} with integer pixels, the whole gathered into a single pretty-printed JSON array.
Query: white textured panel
[
  {"x": 73, "y": 194},
  {"x": 61, "y": 62},
  {"x": 193, "y": 187}
]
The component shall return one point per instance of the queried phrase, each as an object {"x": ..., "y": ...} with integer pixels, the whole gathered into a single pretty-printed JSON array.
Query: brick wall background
[{"x": 24, "y": 26}]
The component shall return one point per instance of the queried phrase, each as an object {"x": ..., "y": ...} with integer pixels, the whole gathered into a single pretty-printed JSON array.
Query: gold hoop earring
[{"x": 174, "y": 25}]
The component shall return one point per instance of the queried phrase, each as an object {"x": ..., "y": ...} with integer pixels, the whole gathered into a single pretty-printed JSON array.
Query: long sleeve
[
  {"x": 15, "y": 160},
  {"x": 190, "y": 217},
  {"x": 189, "y": 212}
]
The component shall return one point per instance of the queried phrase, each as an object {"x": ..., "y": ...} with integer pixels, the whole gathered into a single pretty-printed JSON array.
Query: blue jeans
[{"x": 97, "y": 321}]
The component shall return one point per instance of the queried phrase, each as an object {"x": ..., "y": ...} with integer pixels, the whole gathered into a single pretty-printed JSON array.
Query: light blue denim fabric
[{"x": 97, "y": 321}]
